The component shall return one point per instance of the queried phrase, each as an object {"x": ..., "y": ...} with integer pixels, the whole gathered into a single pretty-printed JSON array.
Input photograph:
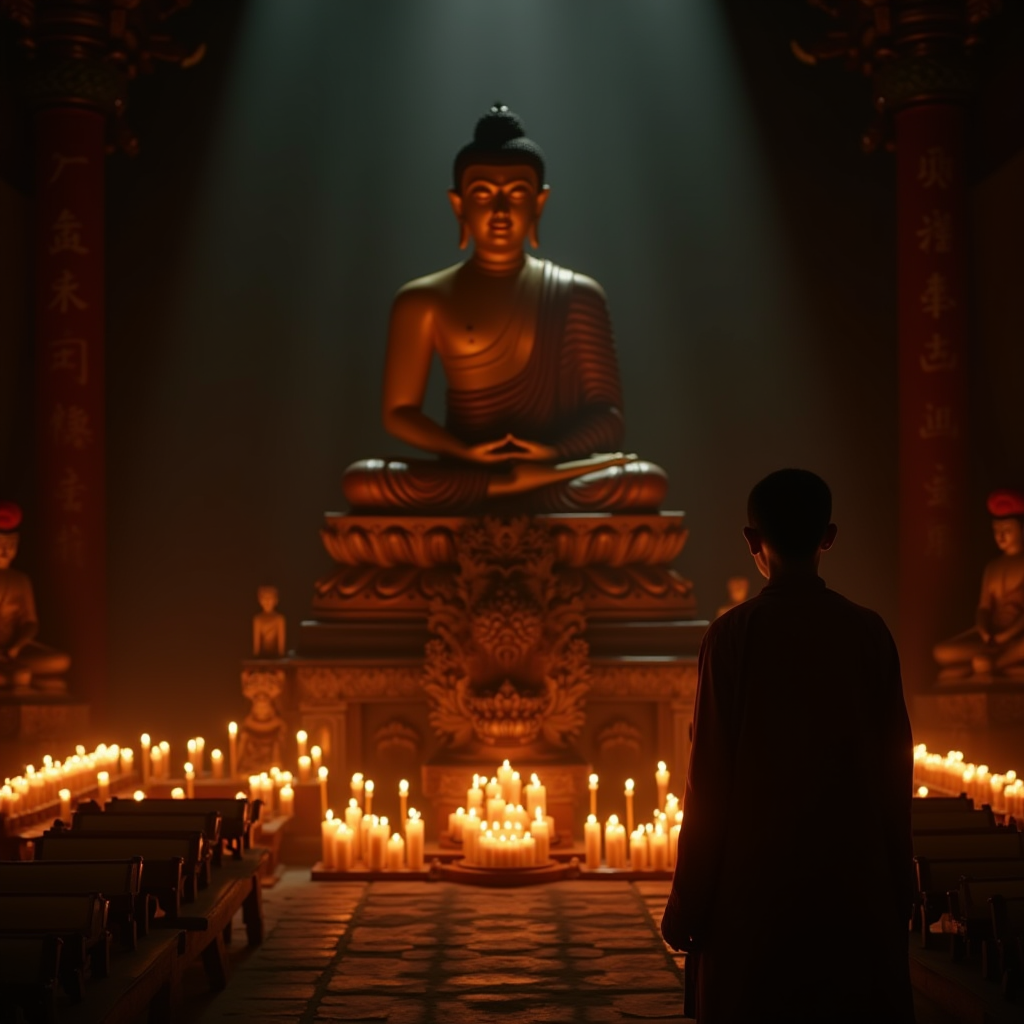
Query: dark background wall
[{"x": 294, "y": 179}]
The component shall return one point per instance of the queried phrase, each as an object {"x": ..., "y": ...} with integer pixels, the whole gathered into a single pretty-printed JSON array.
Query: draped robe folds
[
  {"x": 794, "y": 876},
  {"x": 568, "y": 395}
]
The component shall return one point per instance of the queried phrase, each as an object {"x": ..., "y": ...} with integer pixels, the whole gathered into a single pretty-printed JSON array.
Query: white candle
[
  {"x": 638, "y": 850},
  {"x": 414, "y": 840},
  {"x": 658, "y": 846},
  {"x": 144, "y": 744},
  {"x": 396, "y": 853},
  {"x": 233, "y": 748},
  {"x": 536, "y": 797},
  {"x": 629, "y": 806},
  {"x": 496, "y": 809},
  {"x": 493, "y": 788},
  {"x": 380, "y": 832},
  {"x": 403, "y": 799},
  {"x": 327, "y": 829},
  {"x": 615, "y": 843},
  {"x": 504, "y": 777},
  {"x": 217, "y": 763},
  {"x": 344, "y": 848},
  {"x": 191, "y": 747},
  {"x": 593, "y": 795},
  {"x": 661, "y": 777},
  {"x": 368, "y": 792},
  {"x": 515, "y": 789},
  {"x": 592, "y": 842},
  {"x": 455, "y": 822},
  {"x": 165, "y": 760},
  {"x": 287, "y": 795},
  {"x": 315, "y": 755},
  {"x": 102, "y": 787},
  {"x": 475, "y": 796},
  {"x": 542, "y": 836},
  {"x": 65, "y": 805},
  {"x": 190, "y": 781},
  {"x": 529, "y": 850},
  {"x": 353, "y": 819},
  {"x": 671, "y": 806},
  {"x": 156, "y": 757},
  {"x": 127, "y": 760},
  {"x": 305, "y": 768},
  {"x": 322, "y": 776},
  {"x": 300, "y": 742},
  {"x": 267, "y": 795},
  {"x": 357, "y": 787},
  {"x": 200, "y": 754}
]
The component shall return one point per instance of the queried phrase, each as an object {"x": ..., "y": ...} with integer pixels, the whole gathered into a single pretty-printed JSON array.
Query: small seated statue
[
  {"x": 261, "y": 737},
  {"x": 268, "y": 626},
  {"x": 534, "y": 402},
  {"x": 22, "y": 658},
  {"x": 995, "y": 645}
]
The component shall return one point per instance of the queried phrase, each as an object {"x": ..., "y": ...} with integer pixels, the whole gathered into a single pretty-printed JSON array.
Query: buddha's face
[
  {"x": 8, "y": 549},
  {"x": 1009, "y": 536},
  {"x": 499, "y": 206},
  {"x": 267, "y": 598}
]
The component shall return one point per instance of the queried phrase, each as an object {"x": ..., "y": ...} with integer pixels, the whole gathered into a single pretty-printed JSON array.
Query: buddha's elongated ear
[
  {"x": 542, "y": 198},
  {"x": 455, "y": 199}
]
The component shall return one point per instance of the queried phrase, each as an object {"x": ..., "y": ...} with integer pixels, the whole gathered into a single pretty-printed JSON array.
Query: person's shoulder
[{"x": 868, "y": 617}]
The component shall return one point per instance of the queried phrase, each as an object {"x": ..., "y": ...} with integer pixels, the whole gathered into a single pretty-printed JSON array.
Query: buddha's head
[
  {"x": 267, "y": 598},
  {"x": 10, "y": 520},
  {"x": 499, "y": 191},
  {"x": 1007, "y": 511}
]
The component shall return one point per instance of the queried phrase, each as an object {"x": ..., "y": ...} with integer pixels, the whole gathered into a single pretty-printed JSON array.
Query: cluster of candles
[
  {"x": 275, "y": 790},
  {"x": 80, "y": 775},
  {"x": 1003, "y": 792},
  {"x": 155, "y": 760},
  {"x": 363, "y": 837}
]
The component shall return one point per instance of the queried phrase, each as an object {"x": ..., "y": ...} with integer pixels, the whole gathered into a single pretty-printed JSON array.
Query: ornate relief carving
[
  {"x": 390, "y": 541},
  {"x": 397, "y": 735},
  {"x": 664, "y": 681},
  {"x": 507, "y": 664},
  {"x": 619, "y": 735},
  {"x": 323, "y": 684},
  {"x": 617, "y": 540},
  {"x": 263, "y": 729}
]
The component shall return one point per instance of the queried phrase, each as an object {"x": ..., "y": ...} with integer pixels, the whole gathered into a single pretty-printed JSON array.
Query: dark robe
[
  {"x": 794, "y": 873},
  {"x": 568, "y": 395}
]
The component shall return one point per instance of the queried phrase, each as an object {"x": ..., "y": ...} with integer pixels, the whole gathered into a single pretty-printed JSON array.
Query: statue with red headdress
[
  {"x": 994, "y": 647},
  {"x": 23, "y": 660}
]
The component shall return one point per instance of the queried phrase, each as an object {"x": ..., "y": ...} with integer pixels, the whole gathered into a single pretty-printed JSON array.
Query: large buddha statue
[
  {"x": 994, "y": 647},
  {"x": 534, "y": 401}
]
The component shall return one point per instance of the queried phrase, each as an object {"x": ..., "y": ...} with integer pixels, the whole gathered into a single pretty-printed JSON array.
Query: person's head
[
  {"x": 10, "y": 520},
  {"x": 788, "y": 517},
  {"x": 1007, "y": 511},
  {"x": 499, "y": 191},
  {"x": 267, "y": 598}
]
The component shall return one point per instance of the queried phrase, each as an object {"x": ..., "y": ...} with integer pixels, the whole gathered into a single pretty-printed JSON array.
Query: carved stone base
[
  {"x": 36, "y": 716},
  {"x": 972, "y": 704},
  {"x": 565, "y": 777}
]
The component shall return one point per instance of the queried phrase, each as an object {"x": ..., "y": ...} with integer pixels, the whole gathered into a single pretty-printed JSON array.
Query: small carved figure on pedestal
[
  {"x": 994, "y": 647},
  {"x": 268, "y": 626},
  {"x": 263, "y": 729},
  {"x": 23, "y": 660},
  {"x": 739, "y": 590}
]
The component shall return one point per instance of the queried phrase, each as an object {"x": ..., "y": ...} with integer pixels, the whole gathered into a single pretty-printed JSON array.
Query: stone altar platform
[
  {"x": 972, "y": 703},
  {"x": 29, "y": 715},
  {"x": 564, "y": 641}
]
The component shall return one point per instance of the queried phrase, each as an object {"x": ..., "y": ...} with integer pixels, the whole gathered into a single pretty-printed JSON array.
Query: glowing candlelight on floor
[
  {"x": 300, "y": 742},
  {"x": 922, "y": 790},
  {"x": 542, "y": 836},
  {"x": 414, "y": 840},
  {"x": 593, "y": 795},
  {"x": 592, "y": 841},
  {"x": 177, "y": 793},
  {"x": 190, "y": 781},
  {"x": 305, "y": 768},
  {"x": 165, "y": 759},
  {"x": 316, "y": 756},
  {"x": 232, "y": 748},
  {"x": 403, "y": 799},
  {"x": 661, "y": 776},
  {"x": 356, "y": 785},
  {"x": 353, "y": 818},
  {"x": 217, "y": 763},
  {"x": 536, "y": 797},
  {"x": 396, "y": 853},
  {"x": 287, "y": 796},
  {"x": 322, "y": 776},
  {"x": 368, "y": 790},
  {"x": 102, "y": 787},
  {"x": 138, "y": 796},
  {"x": 65, "y": 806},
  {"x": 327, "y": 828},
  {"x": 629, "y": 806}
]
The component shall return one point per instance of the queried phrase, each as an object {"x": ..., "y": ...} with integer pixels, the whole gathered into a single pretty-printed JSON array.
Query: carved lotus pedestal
[{"x": 440, "y": 646}]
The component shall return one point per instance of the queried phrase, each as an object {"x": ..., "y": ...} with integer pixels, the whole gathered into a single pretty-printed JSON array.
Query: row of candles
[{"x": 951, "y": 774}]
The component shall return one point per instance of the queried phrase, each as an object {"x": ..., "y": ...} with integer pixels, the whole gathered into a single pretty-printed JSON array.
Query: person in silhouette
[{"x": 797, "y": 902}]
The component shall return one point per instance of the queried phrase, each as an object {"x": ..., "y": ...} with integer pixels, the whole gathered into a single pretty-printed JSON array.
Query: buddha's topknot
[{"x": 499, "y": 137}]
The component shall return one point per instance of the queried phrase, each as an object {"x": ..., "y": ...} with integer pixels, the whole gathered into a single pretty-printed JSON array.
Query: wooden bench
[
  {"x": 208, "y": 823},
  {"x": 1008, "y": 938},
  {"x": 951, "y": 844},
  {"x": 972, "y": 912},
  {"x": 79, "y": 920},
  {"x": 945, "y": 804},
  {"x": 29, "y": 975},
  {"x": 171, "y": 863},
  {"x": 118, "y": 881},
  {"x": 236, "y": 815}
]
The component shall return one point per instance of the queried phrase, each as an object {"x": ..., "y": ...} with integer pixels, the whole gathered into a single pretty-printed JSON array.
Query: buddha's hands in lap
[{"x": 510, "y": 449}]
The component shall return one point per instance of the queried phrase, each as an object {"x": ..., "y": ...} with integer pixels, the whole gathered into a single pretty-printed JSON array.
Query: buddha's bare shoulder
[{"x": 428, "y": 289}]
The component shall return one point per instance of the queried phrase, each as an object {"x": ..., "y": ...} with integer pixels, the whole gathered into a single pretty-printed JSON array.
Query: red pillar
[{"x": 69, "y": 337}]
